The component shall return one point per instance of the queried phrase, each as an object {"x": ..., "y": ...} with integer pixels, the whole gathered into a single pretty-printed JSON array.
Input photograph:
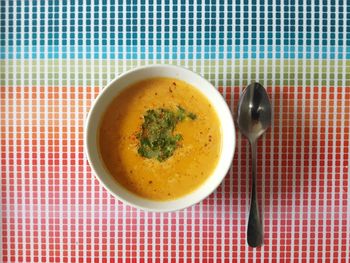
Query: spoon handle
[{"x": 255, "y": 231}]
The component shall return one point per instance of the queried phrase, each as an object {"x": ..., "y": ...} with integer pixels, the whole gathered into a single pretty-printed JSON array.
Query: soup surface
[{"x": 185, "y": 154}]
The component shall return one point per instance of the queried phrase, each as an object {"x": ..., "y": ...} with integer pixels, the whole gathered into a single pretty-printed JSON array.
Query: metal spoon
[{"x": 254, "y": 118}]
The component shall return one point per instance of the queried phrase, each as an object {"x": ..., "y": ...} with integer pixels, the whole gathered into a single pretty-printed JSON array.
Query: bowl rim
[{"x": 88, "y": 151}]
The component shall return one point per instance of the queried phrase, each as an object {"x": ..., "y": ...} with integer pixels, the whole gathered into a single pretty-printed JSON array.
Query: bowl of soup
[{"x": 160, "y": 138}]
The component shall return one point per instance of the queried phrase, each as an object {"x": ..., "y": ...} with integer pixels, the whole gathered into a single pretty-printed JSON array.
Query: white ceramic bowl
[{"x": 124, "y": 81}]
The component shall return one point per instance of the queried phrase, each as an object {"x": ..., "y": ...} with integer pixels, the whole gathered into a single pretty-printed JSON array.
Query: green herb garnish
[{"x": 157, "y": 139}]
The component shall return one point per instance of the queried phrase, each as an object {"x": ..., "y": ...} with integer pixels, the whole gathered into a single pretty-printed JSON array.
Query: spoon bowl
[
  {"x": 254, "y": 118},
  {"x": 254, "y": 111}
]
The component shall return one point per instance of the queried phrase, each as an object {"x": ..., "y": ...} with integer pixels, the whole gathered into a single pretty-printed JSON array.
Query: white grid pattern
[{"x": 70, "y": 216}]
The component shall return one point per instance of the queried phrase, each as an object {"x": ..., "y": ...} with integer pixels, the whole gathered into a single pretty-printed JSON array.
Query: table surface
[{"x": 56, "y": 56}]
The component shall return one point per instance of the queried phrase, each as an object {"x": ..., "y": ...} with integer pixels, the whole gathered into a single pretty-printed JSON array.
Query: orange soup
[{"x": 160, "y": 138}]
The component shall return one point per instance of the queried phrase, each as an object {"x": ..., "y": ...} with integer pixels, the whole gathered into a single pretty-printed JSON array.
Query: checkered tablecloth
[{"x": 56, "y": 56}]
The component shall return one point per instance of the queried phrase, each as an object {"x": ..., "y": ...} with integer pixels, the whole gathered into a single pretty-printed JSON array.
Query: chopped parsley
[{"x": 157, "y": 139}]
